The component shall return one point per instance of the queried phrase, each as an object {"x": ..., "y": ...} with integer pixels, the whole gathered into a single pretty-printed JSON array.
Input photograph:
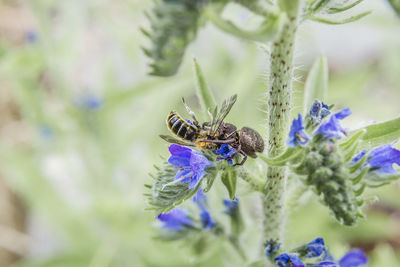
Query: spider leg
[{"x": 243, "y": 160}]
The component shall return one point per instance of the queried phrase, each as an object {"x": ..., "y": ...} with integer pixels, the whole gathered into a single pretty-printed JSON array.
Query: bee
[{"x": 212, "y": 134}]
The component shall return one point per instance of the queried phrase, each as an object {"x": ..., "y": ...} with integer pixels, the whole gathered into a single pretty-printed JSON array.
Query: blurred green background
[{"x": 80, "y": 119}]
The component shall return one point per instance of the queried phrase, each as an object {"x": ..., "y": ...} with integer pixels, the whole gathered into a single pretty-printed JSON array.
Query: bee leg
[{"x": 191, "y": 113}]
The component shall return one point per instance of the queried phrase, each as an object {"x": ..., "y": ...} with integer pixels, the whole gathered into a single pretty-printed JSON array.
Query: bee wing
[
  {"x": 173, "y": 140},
  {"x": 223, "y": 112}
]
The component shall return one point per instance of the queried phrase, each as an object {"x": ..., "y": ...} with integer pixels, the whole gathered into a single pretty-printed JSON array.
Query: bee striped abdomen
[{"x": 181, "y": 128}]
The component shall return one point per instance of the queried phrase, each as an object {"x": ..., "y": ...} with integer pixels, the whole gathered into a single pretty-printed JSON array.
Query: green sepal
[
  {"x": 375, "y": 179},
  {"x": 381, "y": 133},
  {"x": 267, "y": 30},
  {"x": 353, "y": 138},
  {"x": 359, "y": 191},
  {"x": 229, "y": 179},
  {"x": 360, "y": 176},
  {"x": 356, "y": 166},
  {"x": 316, "y": 5},
  {"x": 316, "y": 86},
  {"x": 292, "y": 154},
  {"x": 204, "y": 92},
  {"x": 350, "y": 154},
  {"x": 338, "y": 9},
  {"x": 343, "y": 21}
]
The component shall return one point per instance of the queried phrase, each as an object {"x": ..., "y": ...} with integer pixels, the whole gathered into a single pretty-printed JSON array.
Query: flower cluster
[
  {"x": 178, "y": 220},
  {"x": 316, "y": 254},
  {"x": 331, "y": 168}
]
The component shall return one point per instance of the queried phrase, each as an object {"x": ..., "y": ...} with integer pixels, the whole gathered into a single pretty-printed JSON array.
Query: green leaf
[
  {"x": 204, "y": 92},
  {"x": 174, "y": 26},
  {"x": 316, "y": 86},
  {"x": 229, "y": 179},
  {"x": 395, "y": 5},
  {"x": 267, "y": 31},
  {"x": 291, "y": 154},
  {"x": 164, "y": 197},
  {"x": 343, "y": 21},
  {"x": 381, "y": 133}
]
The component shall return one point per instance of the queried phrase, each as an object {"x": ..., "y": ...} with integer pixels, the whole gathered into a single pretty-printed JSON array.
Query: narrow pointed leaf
[
  {"x": 229, "y": 179},
  {"x": 267, "y": 31},
  {"x": 381, "y": 133},
  {"x": 338, "y": 9},
  {"x": 316, "y": 86},
  {"x": 343, "y": 21},
  {"x": 289, "y": 155},
  {"x": 204, "y": 92}
]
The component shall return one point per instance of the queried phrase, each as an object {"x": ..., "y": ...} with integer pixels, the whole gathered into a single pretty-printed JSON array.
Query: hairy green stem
[{"x": 279, "y": 107}]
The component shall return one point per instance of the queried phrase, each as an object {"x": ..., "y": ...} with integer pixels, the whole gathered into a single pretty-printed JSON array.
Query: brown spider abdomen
[{"x": 251, "y": 141}]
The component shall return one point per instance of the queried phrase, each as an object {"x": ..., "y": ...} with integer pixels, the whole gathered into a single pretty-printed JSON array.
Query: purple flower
[
  {"x": 31, "y": 36},
  {"x": 89, "y": 101},
  {"x": 231, "y": 206},
  {"x": 315, "y": 248},
  {"x": 359, "y": 156},
  {"x": 200, "y": 199},
  {"x": 319, "y": 110},
  {"x": 207, "y": 221},
  {"x": 288, "y": 260},
  {"x": 297, "y": 133},
  {"x": 383, "y": 157},
  {"x": 226, "y": 152},
  {"x": 326, "y": 264},
  {"x": 272, "y": 247},
  {"x": 332, "y": 128},
  {"x": 191, "y": 164},
  {"x": 353, "y": 258},
  {"x": 175, "y": 220}
]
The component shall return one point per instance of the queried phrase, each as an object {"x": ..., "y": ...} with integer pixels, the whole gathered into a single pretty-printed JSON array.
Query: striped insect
[{"x": 212, "y": 134}]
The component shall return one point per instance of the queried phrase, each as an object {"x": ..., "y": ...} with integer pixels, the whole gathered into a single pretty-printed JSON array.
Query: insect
[{"x": 212, "y": 134}]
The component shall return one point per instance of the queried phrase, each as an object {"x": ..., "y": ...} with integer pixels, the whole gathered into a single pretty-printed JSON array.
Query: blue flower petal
[
  {"x": 180, "y": 155},
  {"x": 354, "y": 258},
  {"x": 297, "y": 135},
  {"x": 231, "y": 205},
  {"x": 192, "y": 164},
  {"x": 288, "y": 260},
  {"x": 207, "y": 221},
  {"x": 383, "y": 158},
  {"x": 200, "y": 198},
  {"x": 326, "y": 264},
  {"x": 226, "y": 152},
  {"x": 332, "y": 128},
  {"x": 175, "y": 220},
  {"x": 315, "y": 248}
]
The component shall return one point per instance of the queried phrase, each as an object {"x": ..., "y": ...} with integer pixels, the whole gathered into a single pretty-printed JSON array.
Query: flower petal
[
  {"x": 180, "y": 156},
  {"x": 288, "y": 260},
  {"x": 175, "y": 220},
  {"x": 315, "y": 248},
  {"x": 384, "y": 157},
  {"x": 353, "y": 258}
]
